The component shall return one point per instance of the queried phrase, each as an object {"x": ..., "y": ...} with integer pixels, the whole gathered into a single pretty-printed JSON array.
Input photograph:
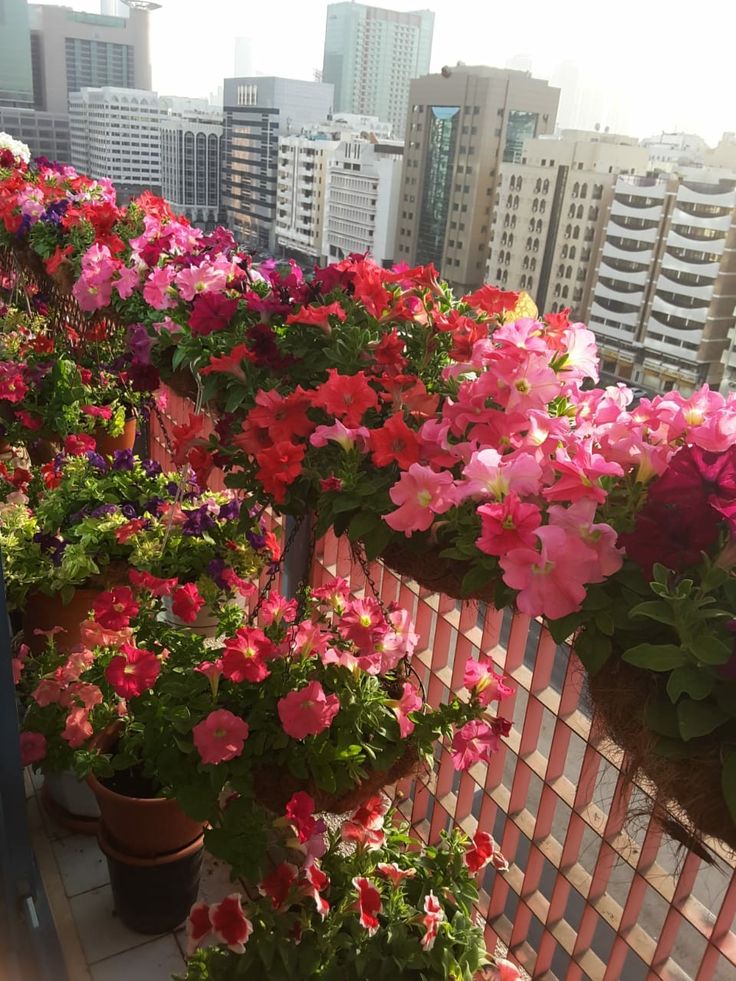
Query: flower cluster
[
  {"x": 327, "y": 911},
  {"x": 83, "y": 519}
]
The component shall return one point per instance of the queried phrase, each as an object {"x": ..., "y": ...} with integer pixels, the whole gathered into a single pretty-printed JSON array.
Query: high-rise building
[
  {"x": 116, "y": 133},
  {"x": 45, "y": 133},
  {"x": 372, "y": 54},
  {"x": 114, "y": 8},
  {"x": 301, "y": 200},
  {"x": 664, "y": 298},
  {"x": 464, "y": 123},
  {"x": 16, "y": 76},
  {"x": 363, "y": 199},
  {"x": 71, "y": 50},
  {"x": 258, "y": 112},
  {"x": 191, "y": 159},
  {"x": 549, "y": 213}
]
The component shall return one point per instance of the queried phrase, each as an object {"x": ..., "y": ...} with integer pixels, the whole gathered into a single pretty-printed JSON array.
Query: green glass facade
[
  {"x": 441, "y": 139},
  {"x": 16, "y": 76},
  {"x": 520, "y": 126}
]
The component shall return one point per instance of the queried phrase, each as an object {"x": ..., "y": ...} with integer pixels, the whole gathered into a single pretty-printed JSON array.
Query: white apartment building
[
  {"x": 548, "y": 214},
  {"x": 371, "y": 55},
  {"x": 116, "y": 133},
  {"x": 301, "y": 195},
  {"x": 363, "y": 199},
  {"x": 671, "y": 151},
  {"x": 191, "y": 159},
  {"x": 665, "y": 291}
]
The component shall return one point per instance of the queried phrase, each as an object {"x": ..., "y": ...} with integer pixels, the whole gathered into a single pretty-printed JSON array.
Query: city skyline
[{"x": 659, "y": 90}]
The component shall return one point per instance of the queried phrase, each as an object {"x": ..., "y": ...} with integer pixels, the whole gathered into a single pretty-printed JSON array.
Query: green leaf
[
  {"x": 691, "y": 681},
  {"x": 675, "y": 749},
  {"x": 604, "y": 623},
  {"x": 565, "y": 627},
  {"x": 362, "y": 524},
  {"x": 475, "y": 580},
  {"x": 661, "y": 717},
  {"x": 375, "y": 542},
  {"x": 698, "y": 718},
  {"x": 655, "y": 610},
  {"x": 710, "y": 650},
  {"x": 344, "y": 502},
  {"x": 656, "y": 657},
  {"x": 728, "y": 781},
  {"x": 593, "y": 649}
]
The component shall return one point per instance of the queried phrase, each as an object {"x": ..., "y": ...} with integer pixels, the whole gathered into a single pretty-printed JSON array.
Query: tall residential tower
[
  {"x": 371, "y": 56},
  {"x": 464, "y": 123}
]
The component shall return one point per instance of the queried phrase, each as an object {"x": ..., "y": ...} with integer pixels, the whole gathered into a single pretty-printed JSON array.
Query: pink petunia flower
[
  {"x": 220, "y": 737},
  {"x": 476, "y": 741},
  {"x": 484, "y": 683},
  {"x": 410, "y": 701},
  {"x": 551, "y": 581},
  {"x": 32, "y": 747},
  {"x": 307, "y": 712},
  {"x": 421, "y": 493},
  {"x": 507, "y": 524},
  {"x": 490, "y": 474},
  {"x": 78, "y": 728}
]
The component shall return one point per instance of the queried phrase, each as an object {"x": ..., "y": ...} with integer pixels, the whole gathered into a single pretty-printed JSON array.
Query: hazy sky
[{"x": 642, "y": 66}]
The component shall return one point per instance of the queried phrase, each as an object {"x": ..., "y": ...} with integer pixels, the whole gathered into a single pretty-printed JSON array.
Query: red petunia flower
[
  {"x": 114, "y": 609},
  {"x": 211, "y": 312},
  {"x": 132, "y": 672},
  {"x": 230, "y": 364},
  {"x": 187, "y": 601},
  {"x": 285, "y": 417},
  {"x": 492, "y": 300},
  {"x": 246, "y": 655},
  {"x": 278, "y": 467},
  {"x": 277, "y": 885},
  {"x": 369, "y": 904},
  {"x": 230, "y": 924},
  {"x": 394, "y": 442},
  {"x": 79, "y": 444},
  {"x": 300, "y": 812},
  {"x": 144, "y": 580},
  {"x": 130, "y": 528},
  {"x": 347, "y": 397},
  {"x": 318, "y": 316},
  {"x": 198, "y": 926}
]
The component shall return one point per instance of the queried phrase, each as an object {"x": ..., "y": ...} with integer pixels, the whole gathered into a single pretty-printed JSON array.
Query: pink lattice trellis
[{"x": 589, "y": 894}]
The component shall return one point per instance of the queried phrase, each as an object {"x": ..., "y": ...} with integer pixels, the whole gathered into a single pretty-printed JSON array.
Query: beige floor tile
[
  {"x": 100, "y": 930},
  {"x": 81, "y": 863},
  {"x": 153, "y": 961}
]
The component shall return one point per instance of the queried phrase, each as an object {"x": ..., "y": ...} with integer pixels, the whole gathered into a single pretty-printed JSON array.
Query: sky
[{"x": 640, "y": 67}]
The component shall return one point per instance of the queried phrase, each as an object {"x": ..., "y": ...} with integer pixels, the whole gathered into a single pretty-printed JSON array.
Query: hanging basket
[
  {"x": 433, "y": 572},
  {"x": 274, "y": 789},
  {"x": 687, "y": 798}
]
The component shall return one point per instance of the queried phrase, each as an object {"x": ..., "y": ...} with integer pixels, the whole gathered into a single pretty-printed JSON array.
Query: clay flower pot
[
  {"x": 142, "y": 827},
  {"x": 107, "y": 445}
]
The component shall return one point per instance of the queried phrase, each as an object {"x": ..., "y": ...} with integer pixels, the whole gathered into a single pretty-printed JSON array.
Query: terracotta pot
[
  {"x": 143, "y": 827},
  {"x": 46, "y": 612},
  {"x": 70, "y": 802},
  {"x": 107, "y": 445},
  {"x": 153, "y": 895}
]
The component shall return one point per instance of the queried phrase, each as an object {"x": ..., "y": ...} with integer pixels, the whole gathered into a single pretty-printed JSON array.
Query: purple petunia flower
[
  {"x": 103, "y": 510},
  {"x": 97, "y": 461},
  {"x": 151, "y": 468},
  {"x": 256, "y": 541},
  {"x": 128, "y": 511},
  {"x": 229, "y": 511},
  {"x": 153, "y": 506},
  {"x": 123, "y": 460},
  {"x": 198, "y": 522},
  {"x": 215, "y": 569}
]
